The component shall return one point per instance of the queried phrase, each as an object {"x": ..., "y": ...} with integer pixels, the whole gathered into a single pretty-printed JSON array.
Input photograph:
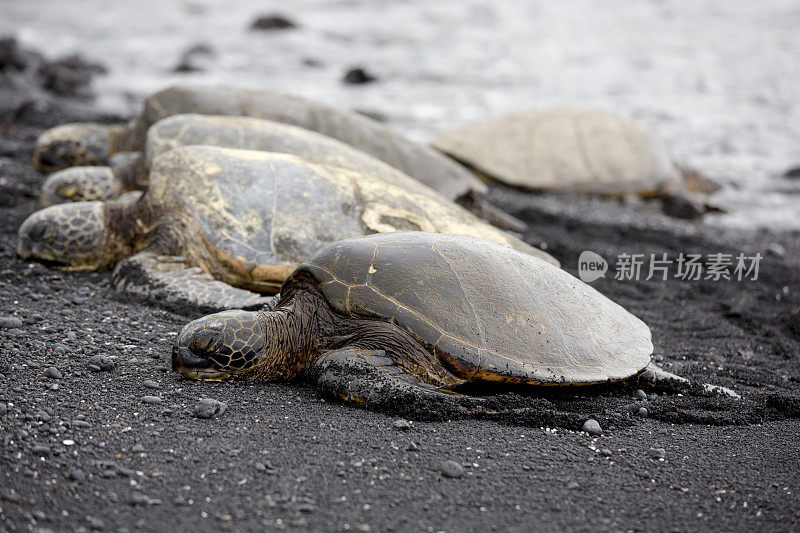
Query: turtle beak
[{"x": 193, "y": 363}]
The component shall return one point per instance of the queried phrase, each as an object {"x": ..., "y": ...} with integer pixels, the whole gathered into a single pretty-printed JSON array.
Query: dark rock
[
  {"x": 52, "y": 373},
  {"x": 59, "y": 350},
  {"x": 792, "y": 173},
  {"x": 272, "y": 21},
  {"x": 69, "y": 76},
  {"x": 151, "y": 400},
  {"x": 642, "y": 412},
  {"x": 412, "y": 446},
  {"x": 640, "y": 394},
  {"x": 592, "y": 427},
  {"x": 41, "y": 449},
  {"x": 9, "y": 322},
  {"x": 195, "y": 59},
  {"x": 101, "y": 363},
  {"x": 209, "y": 408},
  {"x": 81, "y": 424},
  {"x": 358, "y": 76},
  {"x": 452, "y": 469}
]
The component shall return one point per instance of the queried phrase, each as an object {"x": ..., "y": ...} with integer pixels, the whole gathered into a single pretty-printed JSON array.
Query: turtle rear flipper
[
  {"x": 655, "y": 378},
  {"x": 169, "y": 280}
]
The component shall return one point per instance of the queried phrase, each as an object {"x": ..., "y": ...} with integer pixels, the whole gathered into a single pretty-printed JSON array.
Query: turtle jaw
[{"x": 191, "y": 366}]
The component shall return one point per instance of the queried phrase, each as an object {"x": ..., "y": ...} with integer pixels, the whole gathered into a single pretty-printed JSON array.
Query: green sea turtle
[
  {"x": 385, "y": 317},
  {"x": 93, "y": 144},
  {"x": 84, "y": 183},
  {"x": 218, "y": 226},
  {"x": 573, "y": 150}
]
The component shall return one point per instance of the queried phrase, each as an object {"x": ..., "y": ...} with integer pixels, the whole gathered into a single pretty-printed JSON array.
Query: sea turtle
[
  {"x": 84, "y": 183},
  {"x": 217, "y": 226},
  {"x": 382, "y": 318},
  {"x": 572, "y": 150},
  {"x": 92, "y": 144}
]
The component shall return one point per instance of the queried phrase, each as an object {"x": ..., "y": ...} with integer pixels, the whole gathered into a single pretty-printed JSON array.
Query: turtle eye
[
  {"x": 42, "y": 230},
  {"x": 206, "y": 341}
]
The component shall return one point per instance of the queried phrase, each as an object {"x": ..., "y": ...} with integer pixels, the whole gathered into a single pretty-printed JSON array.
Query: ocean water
[{"x": 720, "y": 81}]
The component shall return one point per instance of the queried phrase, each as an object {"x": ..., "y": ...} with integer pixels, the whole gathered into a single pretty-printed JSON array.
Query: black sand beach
[{"x": 86, "y": 450}]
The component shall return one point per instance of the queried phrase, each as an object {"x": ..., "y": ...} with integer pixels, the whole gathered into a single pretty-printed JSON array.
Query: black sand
[{"x": 84, "y": 451}]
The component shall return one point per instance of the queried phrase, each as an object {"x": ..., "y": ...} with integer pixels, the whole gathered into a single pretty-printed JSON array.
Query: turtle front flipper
[
  {"x": 371, "y": 377},
  {"x": 170, "y": 281},
  {"x": 655, "y": 378}
]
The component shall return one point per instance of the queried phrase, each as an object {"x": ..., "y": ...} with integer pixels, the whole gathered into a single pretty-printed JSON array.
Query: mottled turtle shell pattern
[
  {"x": 490, "y": 313},
  {"x": 248, "y": 133},
  {"x": 565, "y": 149},
  {"x": 249, "y": 218}
]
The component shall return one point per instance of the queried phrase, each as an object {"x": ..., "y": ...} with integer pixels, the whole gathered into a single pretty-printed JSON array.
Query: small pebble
[
  {"x": 209, "y": 407},
  {"x": 401, "y": 424},
  {"x": 412, "y": 446},
  {"x": 137, "y": 448},
  {"x": 10, "y": 322},
  {"x": 357, "y": 76},
  {"x": 60, "y": 350},
  {"x": 101, "y": 363},
  {"x": 150, "y": 384},
  {"x": 642, "y": 412},
  {"x": 592, "y": 427},
  {"x": 452, "y": 469},
  {"x": 81, "y": 424},
  {"x": 272, "y": 22},
  {"x": 41, "y": 449},
  {"x": 658, "y": 453},
  {"x": 52, "y": 373},
  {"x": 573, "y": 485},
  {"x": 640, "y": 394},
  {"x": 152, "y": 400},
  {"x": 605, "y": 452}
]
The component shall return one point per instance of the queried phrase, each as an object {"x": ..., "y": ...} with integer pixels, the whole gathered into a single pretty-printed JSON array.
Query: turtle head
[
  {"x": 220, "y": 346},
  {"x": 69, "y": 145},
  {"x": 80, "y": 184},
  {"x": 69, "y": 236}
]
